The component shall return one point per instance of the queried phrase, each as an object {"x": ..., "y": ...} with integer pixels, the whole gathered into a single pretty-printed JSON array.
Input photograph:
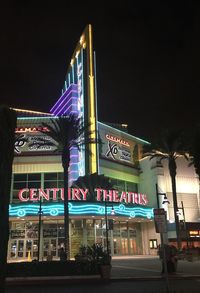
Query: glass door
[
  {"x": 29, "y": 249},
  {"x": 16, "y": 249},
  {"x": 50, "y": 248},
  {"x": 20, "y": 249},
  {"x": 13, "y": 249},
  {"x": 124, "y": 246}
]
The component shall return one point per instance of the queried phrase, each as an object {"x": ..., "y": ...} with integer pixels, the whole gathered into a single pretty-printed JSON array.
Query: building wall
[
  {"x": 187, "y": 187},
  {"x": 35, "y": 164},
  {"x": 149, "y": 234}
]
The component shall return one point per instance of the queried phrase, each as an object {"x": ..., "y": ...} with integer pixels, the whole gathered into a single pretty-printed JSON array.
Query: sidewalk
[
  {"x": 135, "y": 268},
  {"x": 150, "y": 267}
]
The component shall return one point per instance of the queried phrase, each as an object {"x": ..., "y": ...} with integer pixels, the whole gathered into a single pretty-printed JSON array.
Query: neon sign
[
  {"x": 117, "y": 140},
  {"x": 116, "y": 152},
  {"x": 31, "y": 129},
  {"x": 97, "y": 209},
  {"x": 79, "y": 194},
  {"x": 23, "y": 140},
  {"x": 194, "y": 233}
]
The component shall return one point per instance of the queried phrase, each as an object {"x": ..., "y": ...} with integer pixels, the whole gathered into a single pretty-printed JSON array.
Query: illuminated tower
[{"x": 79, "y": 97}]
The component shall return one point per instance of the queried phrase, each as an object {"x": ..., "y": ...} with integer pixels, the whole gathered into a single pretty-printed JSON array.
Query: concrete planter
[{"x": 105, "y": 271}]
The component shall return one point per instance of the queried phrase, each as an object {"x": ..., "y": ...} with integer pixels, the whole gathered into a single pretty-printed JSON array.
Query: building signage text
[
  {"x": 79, "y": 194},
  {"x": 117, "y": 139},
  {"x": 31, "y": 129}
]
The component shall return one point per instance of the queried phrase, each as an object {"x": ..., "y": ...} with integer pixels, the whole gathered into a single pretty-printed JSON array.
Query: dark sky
[{"x": 148, "y": 64}]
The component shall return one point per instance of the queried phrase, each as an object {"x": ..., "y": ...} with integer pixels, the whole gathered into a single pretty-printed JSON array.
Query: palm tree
[
  {"x": 170, "y": 147},
  {"x": 91, "y": 182},
  {"x": 67, "y": 132},
  {"x": 8, "y": 122}
]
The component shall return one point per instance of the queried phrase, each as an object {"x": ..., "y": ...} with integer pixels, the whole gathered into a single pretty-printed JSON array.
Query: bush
[
  {"x": 94, "y": 253},
  {"x": 50, "y": 268}
]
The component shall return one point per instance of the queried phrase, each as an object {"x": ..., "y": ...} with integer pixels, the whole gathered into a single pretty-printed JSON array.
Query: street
[
  {"x": 129, "y": 274},
  {"x": 182, "y": 286}
]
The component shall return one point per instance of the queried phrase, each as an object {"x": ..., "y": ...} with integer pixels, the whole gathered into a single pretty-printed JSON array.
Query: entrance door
[
  {"x": 124, "y": 246},
  {"x": 50, "y": 247},
  {"x": 16, "y": 249},
  {"x": 116, "y": 246},
  {"x": 20, "y": 249},
  {"x": 31, "y": 249}
]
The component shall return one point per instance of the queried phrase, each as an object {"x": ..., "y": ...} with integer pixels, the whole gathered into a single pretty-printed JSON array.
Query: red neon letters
[{"x": 79, "y": 194}]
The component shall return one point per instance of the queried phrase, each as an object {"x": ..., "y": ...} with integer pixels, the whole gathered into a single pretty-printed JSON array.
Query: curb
[
  {"x": 156, "y": 278},
  {"x": 81, "y": 280},
  {"x": 52, "y": 280}
]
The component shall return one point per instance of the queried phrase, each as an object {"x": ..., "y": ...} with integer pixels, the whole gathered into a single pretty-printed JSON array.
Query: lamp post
[
  {"x": 107, "y": 228},
  {"x": 165, "y": 199},
  {"x": 106, "y": 219},
  {"x": 184, "y": 222},
  {"x": 40, "y": 212}
]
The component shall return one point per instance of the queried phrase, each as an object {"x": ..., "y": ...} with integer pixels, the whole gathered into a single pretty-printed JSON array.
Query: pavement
[{"x": 130, "y": 268}]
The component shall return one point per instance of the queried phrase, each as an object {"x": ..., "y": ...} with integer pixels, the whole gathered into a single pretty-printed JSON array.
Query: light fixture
[
  {"x": 165, "y": 199},
  {"x": 112, "y": 211}
]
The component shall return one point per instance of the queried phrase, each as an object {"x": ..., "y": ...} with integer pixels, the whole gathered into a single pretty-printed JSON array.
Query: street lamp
[
  {"x": 165, "y": 199},
  {"x": 163, "y": 241},
  {"x": 163, "y": 237},
  {"x": 176, "y": 218}
]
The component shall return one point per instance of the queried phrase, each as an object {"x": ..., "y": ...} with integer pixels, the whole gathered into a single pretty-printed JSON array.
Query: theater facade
[{"x": 121, "y": 217}]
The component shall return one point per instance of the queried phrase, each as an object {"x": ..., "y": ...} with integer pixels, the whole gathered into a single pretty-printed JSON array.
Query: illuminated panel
[
  {"x": 30, "y": 112},
  {"x": 72, "y": 102},
  {"x": 81, "y": 74},
  {"x": 67, "y": 103},
  {"x": 92, "y": 113},
  {"x": 97, "y": 209}
]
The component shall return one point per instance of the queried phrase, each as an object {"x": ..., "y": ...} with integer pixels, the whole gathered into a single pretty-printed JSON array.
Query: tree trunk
[
  {"x": 66, "y": 213},
  {"x": 172, "y": 170},
  {"x": 4, "y": 224},
  {"x": 7, "y": 134}
]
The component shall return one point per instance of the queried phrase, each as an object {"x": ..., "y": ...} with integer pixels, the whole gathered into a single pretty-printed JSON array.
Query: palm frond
[
  {"x": 91, "y": 182},
  {"x": 67, "y": 132}
]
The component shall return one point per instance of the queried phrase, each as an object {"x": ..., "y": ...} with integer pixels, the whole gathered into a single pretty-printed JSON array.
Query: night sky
[{"x": 148, "y": 64}]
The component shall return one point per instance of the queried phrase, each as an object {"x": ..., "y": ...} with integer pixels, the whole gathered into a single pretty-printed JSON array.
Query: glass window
[
  {"x": 60, "y": 176},
  {"x": 60, "y": 184},
  {"x": 121, "y": 185},
  {"x": 50, "y": 184},
  {"x": 34, "y": 180},
  {"x": 153, "y": 243},
  {"x": 34, "y": 177},
  {"x": 113, "y": 183},
  {"x": 20, "y": 177},
  {"x": 53, "y": 180},
  {"x": 50, "y": 176},
  {"x": 15, "y": 195},
  {"x": 61, "y": 231},
  {"x": 36, "y": 184},
  {"x": 19, "y": 185},
  {"x": 130, "y": 186}
]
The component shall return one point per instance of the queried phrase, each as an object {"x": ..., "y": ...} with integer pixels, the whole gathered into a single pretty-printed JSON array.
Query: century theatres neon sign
[{"x": 79, "y": 194}]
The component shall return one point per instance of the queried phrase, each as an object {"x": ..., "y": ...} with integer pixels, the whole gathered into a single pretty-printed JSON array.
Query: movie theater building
[
  {"x": 38, "y": 174},
  {"x": 36, "y": 205}
]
